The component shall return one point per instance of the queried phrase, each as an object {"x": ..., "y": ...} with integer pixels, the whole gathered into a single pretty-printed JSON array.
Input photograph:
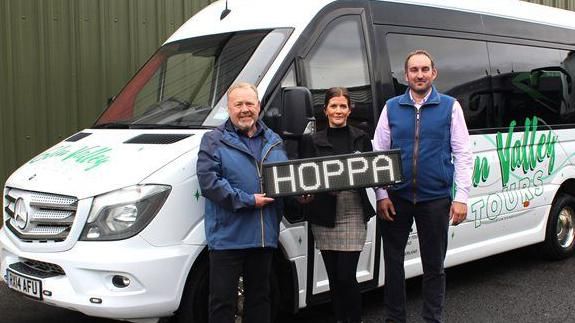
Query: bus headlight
[{"x": 124, "y": 213}]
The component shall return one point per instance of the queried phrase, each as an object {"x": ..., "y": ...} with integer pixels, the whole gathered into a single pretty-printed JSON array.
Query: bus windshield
[{"x": 184, "y": 84}]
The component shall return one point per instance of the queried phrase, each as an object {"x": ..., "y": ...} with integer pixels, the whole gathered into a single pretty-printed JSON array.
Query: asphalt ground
[{"x": 517, "y": 286}]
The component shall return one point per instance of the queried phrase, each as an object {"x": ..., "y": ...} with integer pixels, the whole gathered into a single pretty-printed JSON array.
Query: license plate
[{"x": 29, "y": 286}]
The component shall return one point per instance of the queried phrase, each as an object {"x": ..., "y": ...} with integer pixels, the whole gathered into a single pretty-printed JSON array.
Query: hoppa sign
[{"x": 332, "y": 173}]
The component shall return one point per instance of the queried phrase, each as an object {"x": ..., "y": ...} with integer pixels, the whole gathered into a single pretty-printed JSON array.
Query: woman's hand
[{"x": 305, "y": 199}]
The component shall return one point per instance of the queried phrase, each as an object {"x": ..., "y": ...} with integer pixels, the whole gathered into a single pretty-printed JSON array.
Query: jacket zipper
[
  {"x": 260, "y": 179},
  {"x": 415, "y": 154}
]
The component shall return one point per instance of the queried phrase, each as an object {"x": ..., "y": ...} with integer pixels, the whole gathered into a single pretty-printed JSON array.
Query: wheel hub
[{"x": 565, "y": 228}]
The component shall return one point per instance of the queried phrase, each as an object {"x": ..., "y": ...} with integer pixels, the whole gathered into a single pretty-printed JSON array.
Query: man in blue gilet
[{"x": 429, "y": 129}]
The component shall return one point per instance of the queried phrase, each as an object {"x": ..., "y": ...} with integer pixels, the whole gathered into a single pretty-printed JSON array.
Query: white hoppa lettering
[{"x": 345, "y": 172}]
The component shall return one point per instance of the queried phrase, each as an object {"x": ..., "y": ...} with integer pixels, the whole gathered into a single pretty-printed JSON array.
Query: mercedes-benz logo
[{"x": 20, "y": 214}]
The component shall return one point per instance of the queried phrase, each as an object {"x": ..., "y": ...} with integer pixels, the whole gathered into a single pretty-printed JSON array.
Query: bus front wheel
[{"x": 194, "y": 304}]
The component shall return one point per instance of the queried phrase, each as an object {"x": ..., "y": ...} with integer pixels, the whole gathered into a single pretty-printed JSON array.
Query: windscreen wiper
[
  {"x": 112, "y": 125},
  {"x": 159, "y": 126}
]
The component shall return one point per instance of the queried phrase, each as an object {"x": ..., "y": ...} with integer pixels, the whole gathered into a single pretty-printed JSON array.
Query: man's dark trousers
[
  {"x": 432, "y": 222},
  {"x": 226, "y": 267}
]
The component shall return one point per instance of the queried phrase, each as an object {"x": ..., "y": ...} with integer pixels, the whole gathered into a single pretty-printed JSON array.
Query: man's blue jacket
[{"x": 229, "y": 175}]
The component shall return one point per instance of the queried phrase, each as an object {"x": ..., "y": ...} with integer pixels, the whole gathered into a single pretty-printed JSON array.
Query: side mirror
[
  {"x": 536, "y": 74},
  {"x": 297, "y": 112}
]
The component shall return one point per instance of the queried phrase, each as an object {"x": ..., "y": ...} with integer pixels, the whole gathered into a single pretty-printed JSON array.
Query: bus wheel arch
[
  {"x": 194, "y": 302},
  {"x": 560, "y": 229}
]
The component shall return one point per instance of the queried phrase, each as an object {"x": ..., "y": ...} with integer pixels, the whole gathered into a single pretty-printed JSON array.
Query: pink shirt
[{"x": 460, "y": 147}]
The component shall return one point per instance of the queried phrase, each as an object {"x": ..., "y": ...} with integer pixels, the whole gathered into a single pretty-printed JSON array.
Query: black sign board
[{"x": 332, "y": 173}]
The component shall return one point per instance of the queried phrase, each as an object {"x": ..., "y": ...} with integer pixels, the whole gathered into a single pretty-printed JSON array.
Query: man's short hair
[
  {"x": 418, "y": 52},
  {"x": 242, "y": 85}
]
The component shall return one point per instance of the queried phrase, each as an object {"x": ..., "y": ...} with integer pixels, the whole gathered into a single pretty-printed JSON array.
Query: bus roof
[
  {"x": 266, "y": 14},
  {"x": 511, "y": 9},
  {"x": 250, "y": 15}
]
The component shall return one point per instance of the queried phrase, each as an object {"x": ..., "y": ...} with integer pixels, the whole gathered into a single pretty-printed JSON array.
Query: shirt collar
[{"x": 425, "y": 98}]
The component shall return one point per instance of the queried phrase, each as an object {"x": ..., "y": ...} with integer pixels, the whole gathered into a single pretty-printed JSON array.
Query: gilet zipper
[{"x": 415, "y": 154}]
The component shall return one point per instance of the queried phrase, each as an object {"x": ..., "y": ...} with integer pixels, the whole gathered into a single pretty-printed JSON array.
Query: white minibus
[{"x": 109, "y": 222}]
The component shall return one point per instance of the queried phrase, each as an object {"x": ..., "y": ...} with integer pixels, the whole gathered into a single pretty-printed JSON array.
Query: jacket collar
[
  {"x": 229, "y": 126},
  {"x": 320, "y": 137},
  {"x": 230, "y": 131},
  {"x": 405, "y": 99}
]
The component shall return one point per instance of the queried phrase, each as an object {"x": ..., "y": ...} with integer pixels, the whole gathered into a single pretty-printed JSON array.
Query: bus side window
[
  {"x": 531, "y": 82},
  {"x": 339, "y": 58},
  {"x": 463, "y": 72}
]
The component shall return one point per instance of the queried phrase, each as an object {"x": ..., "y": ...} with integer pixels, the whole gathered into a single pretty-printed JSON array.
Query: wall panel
[
  {"x": 563, "y": 4},
  {"x": 60, "y": 60}
]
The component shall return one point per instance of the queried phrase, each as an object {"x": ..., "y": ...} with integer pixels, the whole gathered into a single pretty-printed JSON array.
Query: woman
[{"x": 339, "y": 218}]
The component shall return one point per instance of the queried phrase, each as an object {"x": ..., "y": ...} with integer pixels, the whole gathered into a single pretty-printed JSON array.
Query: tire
[
  {"x": 560, "y": 233},
  {"x": 194, "y": 304}
]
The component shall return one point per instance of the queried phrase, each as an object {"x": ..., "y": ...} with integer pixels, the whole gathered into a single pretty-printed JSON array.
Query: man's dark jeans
[
  {"x": 226, "y": 266},
  {"x": 432, "y": 221}
]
